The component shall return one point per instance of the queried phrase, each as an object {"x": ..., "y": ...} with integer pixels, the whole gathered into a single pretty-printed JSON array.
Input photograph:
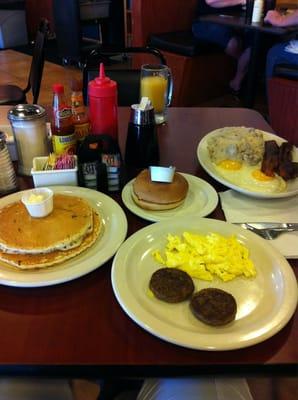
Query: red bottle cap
[
  {"x": 102, "y": 86},
  {"x": 58, "y": 88}
]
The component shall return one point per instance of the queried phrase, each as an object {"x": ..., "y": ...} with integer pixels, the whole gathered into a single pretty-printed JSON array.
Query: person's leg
[
  {"x": 234, "y": 47},
  {"x": 178, "y": 389},
  {"x": 194, "y": 389},
  {"x": 225, "y": 37},
  {"x": 213, "y": 33},
  {"x": 242, "y": 66},
  {"x": 278, "y": 55}
]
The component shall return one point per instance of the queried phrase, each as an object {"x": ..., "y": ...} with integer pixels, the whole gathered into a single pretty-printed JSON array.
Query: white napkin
[
  {"x": 292, "y": 47},
  {"x": 241, "y": 208}
]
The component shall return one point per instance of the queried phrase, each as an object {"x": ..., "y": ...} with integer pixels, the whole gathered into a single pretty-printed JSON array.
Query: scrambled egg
[{"x": 204, "y": 257}]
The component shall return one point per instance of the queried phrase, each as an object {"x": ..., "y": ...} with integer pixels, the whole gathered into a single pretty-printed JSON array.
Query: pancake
[
  {"x": 65, "y": 228},
  {"x": 152, "y": 195},
  {"x": 34, "y": 261}
]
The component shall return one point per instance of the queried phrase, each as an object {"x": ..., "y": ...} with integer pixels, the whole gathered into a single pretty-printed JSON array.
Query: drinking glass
[{"x": 157, "y": 84}]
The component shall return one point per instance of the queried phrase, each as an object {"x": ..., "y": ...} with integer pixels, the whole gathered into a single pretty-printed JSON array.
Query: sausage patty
[
  {"x": 171, "y": 285},
  {"x": 213, "y": 306}
]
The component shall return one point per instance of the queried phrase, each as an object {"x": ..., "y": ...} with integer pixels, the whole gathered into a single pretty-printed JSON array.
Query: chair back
[
  {"x": 73, "y": 46},
  {"x": 37, "y": 64},
  {"x": 128, "y": 80},
  {"x": 68, "y": 28}
]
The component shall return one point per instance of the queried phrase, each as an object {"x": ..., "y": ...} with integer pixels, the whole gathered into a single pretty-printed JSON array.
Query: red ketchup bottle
[{"x": 102, "y": 99}]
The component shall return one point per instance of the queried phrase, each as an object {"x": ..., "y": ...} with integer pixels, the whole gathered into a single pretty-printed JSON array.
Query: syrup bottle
[{"x": 141, "y": 149}]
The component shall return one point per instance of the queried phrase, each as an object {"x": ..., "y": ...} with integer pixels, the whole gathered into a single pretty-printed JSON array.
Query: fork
[{"x": 272, "y": 232}]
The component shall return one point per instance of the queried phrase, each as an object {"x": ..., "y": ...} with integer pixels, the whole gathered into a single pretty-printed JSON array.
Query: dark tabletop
[{"x": 78, "y": 328}]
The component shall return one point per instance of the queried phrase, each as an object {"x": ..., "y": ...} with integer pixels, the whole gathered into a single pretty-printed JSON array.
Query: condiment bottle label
[
  {"x": 89, "y": 171},
  {"x": 63, "y": 119},
  {"x": 64, "y": 144},
  {"x": 82, "y": 130},
  {"x": 63, "y": 113},
  {"x": 77, "y": 103},
  {"x": 113, "y": 163}
]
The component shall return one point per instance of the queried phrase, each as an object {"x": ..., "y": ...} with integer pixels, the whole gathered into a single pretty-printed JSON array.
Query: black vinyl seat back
[
  {"x": 73, "y": 47},
  {"x": 13, "y": 94},
  {"x": 128, "y": 80},
  {"x": 68, "y": 28},
  {"x": 36, "y": 69}
]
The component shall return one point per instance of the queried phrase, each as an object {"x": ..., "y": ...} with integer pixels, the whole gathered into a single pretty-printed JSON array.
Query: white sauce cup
[{"x": 38, "y": 208}]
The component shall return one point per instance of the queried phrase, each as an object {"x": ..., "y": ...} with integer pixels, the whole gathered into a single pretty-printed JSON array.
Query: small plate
[
  {"x": 114, "y": 233},
  {"x": 201, "y": 200},
  {"x": 265, "y": 303},
  {"x": 206, "y": 163}
]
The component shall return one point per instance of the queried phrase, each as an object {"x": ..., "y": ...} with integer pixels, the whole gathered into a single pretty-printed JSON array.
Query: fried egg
[{"x": 250, "y": 177}]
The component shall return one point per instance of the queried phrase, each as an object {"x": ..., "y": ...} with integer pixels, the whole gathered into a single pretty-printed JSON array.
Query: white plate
[
  {"x": 201, "y": 200},
  {"x": 264, "y": 304},
  {"x": 204, "y": 159},
  {"x": 114, "y": 233}
]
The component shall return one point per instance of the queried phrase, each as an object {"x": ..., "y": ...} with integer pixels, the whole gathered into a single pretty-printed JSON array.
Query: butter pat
[
  {"x": 35, "y": 198},
  {"x": 39, "y": 202},
  {"x": 162, "y": 174}
]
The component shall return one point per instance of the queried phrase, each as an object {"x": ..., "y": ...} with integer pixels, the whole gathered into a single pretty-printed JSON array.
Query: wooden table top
[{"x": 78, "y": 328}]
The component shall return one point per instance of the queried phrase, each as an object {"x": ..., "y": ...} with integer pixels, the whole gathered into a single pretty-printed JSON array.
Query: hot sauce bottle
[
  {"x": 63, "y": 133},
  {"x": 79, "y": 113}
]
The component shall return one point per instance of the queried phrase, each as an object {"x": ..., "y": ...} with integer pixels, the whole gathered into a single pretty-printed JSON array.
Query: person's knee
[{"x": 234, "y": 47}]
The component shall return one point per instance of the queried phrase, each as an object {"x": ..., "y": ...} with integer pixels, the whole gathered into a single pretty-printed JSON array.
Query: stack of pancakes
[{"x": 27, "y": 242}]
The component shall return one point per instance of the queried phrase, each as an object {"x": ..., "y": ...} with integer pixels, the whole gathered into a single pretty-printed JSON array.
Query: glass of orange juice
[{"x": 157, "y": 85}]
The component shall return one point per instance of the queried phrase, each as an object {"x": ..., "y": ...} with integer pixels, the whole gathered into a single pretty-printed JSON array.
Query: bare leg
[
  {"x": 242, "y": 66},
  {"x": 234, "y": 47}
]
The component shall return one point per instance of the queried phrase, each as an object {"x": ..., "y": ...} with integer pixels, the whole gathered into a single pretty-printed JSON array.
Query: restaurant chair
[
  {"x": 13, "y": 94},
  {"x": 201, "y": 71},
  {"x": 283, "y": 102},
  {"x": 117, "y": 67},
  {"x": 79, "y": 28},
  {"x": 72, "y": 46}
]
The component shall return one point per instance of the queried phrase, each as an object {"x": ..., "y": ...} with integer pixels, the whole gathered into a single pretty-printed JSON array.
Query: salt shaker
[
  {"x": 141, "y": 144},
  {"x": 28, "y": 122},
  {"x": 8, "y": 180}
]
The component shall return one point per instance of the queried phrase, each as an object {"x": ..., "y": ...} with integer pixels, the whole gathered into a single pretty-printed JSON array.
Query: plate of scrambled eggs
[
  {"x": 215, "y": 254},
  {"x": 233, "y": 156}
]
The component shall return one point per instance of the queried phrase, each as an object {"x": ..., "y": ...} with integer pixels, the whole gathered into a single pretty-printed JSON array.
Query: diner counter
[{"x": 79, "y": 329}]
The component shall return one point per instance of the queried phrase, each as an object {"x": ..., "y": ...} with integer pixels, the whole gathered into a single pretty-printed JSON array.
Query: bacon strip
[{"x": 270, "y": 161}]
